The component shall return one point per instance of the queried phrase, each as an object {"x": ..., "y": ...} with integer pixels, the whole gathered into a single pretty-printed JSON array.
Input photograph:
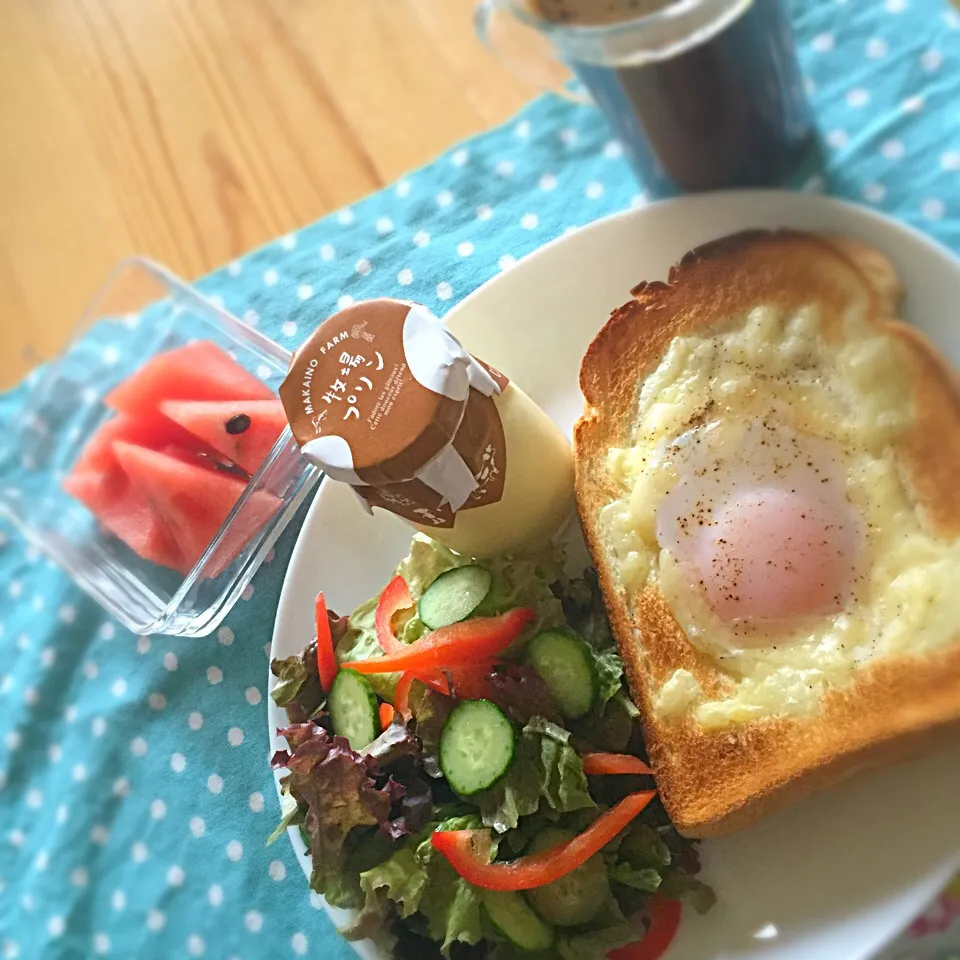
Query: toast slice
[{"x": 716, "y": 779}]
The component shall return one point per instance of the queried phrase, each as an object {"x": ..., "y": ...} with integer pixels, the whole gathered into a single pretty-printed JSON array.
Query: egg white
[{"x": 855, "y": 393}]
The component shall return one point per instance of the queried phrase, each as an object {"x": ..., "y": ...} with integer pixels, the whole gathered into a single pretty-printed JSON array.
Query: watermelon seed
[
  {"x": 223, "y": 465},
  {"x": 237, "y": 424}
]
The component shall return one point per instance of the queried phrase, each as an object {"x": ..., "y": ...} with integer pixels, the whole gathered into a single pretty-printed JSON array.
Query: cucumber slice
[
  {"x": 476, "y": 746},
  {"x": 353, "y": 709},
  {"x": 512, "y": 916},
  {"x": 576, "y": 898},
  {"x": 454, "y": 595},
  {"x": 566, "y": 665}
]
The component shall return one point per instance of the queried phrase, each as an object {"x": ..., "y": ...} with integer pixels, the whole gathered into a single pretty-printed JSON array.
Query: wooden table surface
[{"x": 194, "y": 130}]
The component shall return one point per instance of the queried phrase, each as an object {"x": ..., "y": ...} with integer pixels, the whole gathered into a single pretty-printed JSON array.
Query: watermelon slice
[
  {"x": 194, "y": 501},
  {"x": 244, "y": 431},
  {"x": 151, "y": 430},
  {"x": 127, "y": 513},
  {"x": 197, "y": 371}
]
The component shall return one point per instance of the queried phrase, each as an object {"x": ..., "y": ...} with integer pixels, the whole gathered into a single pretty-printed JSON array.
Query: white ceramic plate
[{"x": 836, "y": 877}]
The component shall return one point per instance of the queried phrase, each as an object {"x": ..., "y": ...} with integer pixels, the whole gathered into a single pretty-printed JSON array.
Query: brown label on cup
[
  {"x": 500, "y": 378},
  {"x": 480, "y": 442},
  {"x": 352, "y": 380},
  {"x": 383, "y": 397}
]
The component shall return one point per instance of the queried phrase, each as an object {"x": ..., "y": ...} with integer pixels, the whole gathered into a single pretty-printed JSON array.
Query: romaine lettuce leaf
[
  {"x": 545, "y": 768},
  {"x": 525, "y": 581},
  {"x": 413, "y": 629},
  {"x": 395, "y": 742},
  {"x": 340, "y": 889},
  {"x": 419, "y": 880},
  {"x": 583, "y": 609},
  {"x": 679, "y": 884},
  {"x": 609, "y": 672},
  {"x": 425, "y": 562},
  {"x": 522, "y": 581},
  {"x": 646, "y": 879},
  {"x": 609, "y": 729},
  {"x": 452, "y": 909},
  {"x": 291, "y": 674},
  {"x": 402, "y": 878},
  {"x": 596, "y": 944},
  {"x": 430, "y": 710},
  {"x": 644, "y": 847},
  {"x": 372, "y": 922},
  {"x": 518, "y": 793},
  {"x": 359, "y": 642},
  {"x": 517, "y": 582},
  {"x": 607, "y": 932},
  {"x": 292, "y": 814},
  {"x": 298, "y": 684}
]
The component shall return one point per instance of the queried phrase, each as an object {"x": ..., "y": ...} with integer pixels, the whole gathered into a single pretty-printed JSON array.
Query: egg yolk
[
  {"x": 761, "y": 525},
  {"x": 772, "y": 553}
]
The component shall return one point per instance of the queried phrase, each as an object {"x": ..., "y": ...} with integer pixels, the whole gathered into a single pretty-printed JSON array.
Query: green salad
[{"x": 435, "y": 767}]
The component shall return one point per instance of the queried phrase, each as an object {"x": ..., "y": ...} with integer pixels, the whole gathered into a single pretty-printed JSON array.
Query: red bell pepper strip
[
  {"x": 386, "y": 715},
  {"x": 467, "y": 685},
  {"x": 326, "y": 658},
  {"x": 464, "y": 683},
  {"x": 464, "y": 850},
  {"x": 599, "y": 763},
  {"x": 401, "y": 694},
  {"x": 664, "y": 922},
  {"x": 394, "y": 598},
  {"x": 435, "y": 680},
  {"x": 459, "y": 645},
  {"x": 472, "y": 683}
]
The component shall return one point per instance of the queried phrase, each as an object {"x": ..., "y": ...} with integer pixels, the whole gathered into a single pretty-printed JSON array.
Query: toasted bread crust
[{"x": 716, "y": 782}]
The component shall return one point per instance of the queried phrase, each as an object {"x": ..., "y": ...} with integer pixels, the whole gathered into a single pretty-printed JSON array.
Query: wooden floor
[{"x": 193, "y": 130}]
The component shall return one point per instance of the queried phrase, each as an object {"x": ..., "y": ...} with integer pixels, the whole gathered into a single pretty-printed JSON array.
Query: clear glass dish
[{"x": 141, "y": 310}]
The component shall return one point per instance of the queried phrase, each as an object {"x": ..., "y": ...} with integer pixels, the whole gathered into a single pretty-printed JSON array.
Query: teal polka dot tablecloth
[{"x": 135, "y": 795}]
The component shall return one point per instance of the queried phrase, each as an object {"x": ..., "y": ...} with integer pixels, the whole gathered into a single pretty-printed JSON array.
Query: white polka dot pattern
[{"x": 149, "y": 775}]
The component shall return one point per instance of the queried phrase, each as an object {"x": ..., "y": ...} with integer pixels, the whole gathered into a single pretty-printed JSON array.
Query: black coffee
[{"x": 727, "y": 110}]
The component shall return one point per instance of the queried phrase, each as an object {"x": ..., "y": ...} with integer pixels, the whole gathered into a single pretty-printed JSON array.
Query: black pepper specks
[{"x": 718, "y": 474}]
